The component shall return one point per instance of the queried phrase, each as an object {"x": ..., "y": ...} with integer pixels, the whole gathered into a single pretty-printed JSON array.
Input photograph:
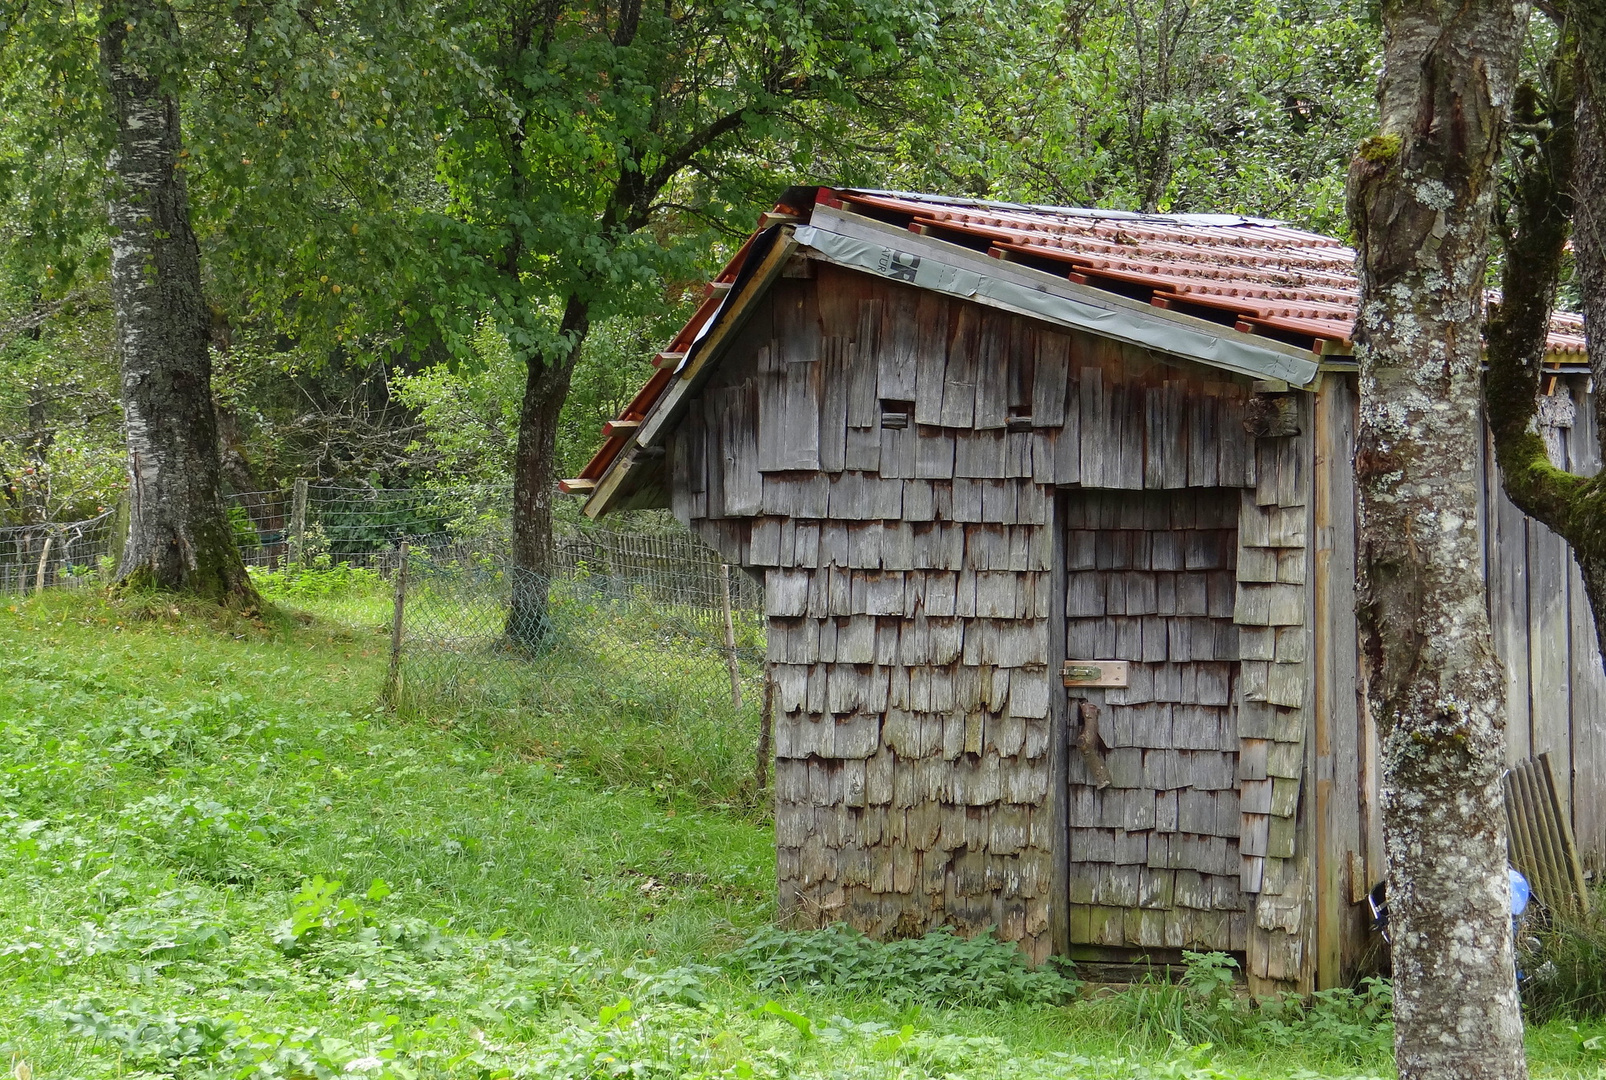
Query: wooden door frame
[{"x": 1059, "y": 730}]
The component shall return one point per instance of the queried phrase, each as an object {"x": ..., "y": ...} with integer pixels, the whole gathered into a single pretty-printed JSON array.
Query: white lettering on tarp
[{"x": 898, "y": 265}]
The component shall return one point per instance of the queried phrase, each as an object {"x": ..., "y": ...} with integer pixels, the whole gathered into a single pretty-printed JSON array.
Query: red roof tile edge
[{"x": 1260, "y": 274}]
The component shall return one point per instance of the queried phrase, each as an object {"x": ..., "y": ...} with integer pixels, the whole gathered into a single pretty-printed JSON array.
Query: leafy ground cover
[{"x": 220, "y": 858}]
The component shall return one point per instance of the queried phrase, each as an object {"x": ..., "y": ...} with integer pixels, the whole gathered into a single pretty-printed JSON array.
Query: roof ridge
[{"x": 1086, "y": 212}]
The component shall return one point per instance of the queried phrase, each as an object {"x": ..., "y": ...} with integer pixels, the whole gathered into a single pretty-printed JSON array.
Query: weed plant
[
  {"x": 938, "y": 969},
  {"x": 323, "y": 579},
  {"x": 353, "y": 595},
  {"x": 219, "y": 858},
  {"x": 1206, "y": 1006},
  {"x": 1567, "y": 967}
]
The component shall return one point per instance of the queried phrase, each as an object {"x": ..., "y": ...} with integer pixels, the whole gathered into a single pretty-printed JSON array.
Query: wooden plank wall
[
  {"x": 1588, "y": 734},
  {"x": 1343, "y": 778},
  {"x": 888, "y": 458},
  {"x": 1544, "y": 632}
]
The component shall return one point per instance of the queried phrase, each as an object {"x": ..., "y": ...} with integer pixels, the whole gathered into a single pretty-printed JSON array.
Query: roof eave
[
  {"x": 1037, "y": 294},
  {"x": 715, "y": 337}
]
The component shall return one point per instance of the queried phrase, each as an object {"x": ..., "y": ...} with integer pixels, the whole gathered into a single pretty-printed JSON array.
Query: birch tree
[
  {"x": 1421, "y": 193},
  {"x": 178, "y": 536}
]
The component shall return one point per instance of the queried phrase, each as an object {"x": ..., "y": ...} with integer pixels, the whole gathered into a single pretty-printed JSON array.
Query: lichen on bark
[{"x": 1421, "y": 213}]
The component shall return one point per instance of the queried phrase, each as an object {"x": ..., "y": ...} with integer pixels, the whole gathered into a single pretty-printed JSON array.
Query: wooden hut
[{"x": 1055, "y": 516}]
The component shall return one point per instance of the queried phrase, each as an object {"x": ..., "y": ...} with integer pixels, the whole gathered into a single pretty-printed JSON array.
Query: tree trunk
[
  {"x": 1540, "y": 220},
  {"x": 546, "y": 387},
  {"x": 178, "y": 536},
  {"x": 1589, "y": 198},
  {"x": 1420, "y": 194}
]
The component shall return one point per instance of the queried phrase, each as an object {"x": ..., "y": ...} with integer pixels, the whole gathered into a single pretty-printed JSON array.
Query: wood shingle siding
[
  {"x": 948, "y": 499},
  {"x": 1167, "y": 829},
  {"x": 906, "y": 526},
  {"x": 905, "y": 545}
]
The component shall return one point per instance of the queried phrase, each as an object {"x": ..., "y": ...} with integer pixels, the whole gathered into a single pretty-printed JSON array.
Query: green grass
[
  {"x": 178, "y": 789},
  {"x": 630, "y": 693}
]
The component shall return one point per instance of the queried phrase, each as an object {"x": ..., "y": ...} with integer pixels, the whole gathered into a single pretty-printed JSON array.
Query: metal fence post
[
  {"x": 393, "y": 676},
  {"x": 298, "y": 523},
  {"x": 730, "y": 634}
]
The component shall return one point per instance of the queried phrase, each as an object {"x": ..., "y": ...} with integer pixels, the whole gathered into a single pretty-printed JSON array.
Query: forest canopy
[{"x": 395, "y": 204}]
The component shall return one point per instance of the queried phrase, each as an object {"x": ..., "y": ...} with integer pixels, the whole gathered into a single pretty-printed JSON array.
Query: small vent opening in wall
[{"x": 896, "y": 414}]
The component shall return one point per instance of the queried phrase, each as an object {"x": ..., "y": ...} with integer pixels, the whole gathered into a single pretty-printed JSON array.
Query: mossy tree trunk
[
  {"x": 546, "y": 387},
  {"x": 1559, "y": 191},
  {"x": 1420, "y": 195},
  {"x": 178, "y": 537}
]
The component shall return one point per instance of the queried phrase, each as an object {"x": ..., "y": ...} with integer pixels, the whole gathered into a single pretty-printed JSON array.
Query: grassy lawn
[{"x": 218, "y": 857}]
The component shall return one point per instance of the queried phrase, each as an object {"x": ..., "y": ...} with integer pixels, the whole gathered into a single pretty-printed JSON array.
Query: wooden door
[{"x": 1154, "y": 864}]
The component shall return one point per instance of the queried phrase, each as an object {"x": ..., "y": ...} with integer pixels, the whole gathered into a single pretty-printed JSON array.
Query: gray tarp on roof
[{"x": 1161, "y": 335}]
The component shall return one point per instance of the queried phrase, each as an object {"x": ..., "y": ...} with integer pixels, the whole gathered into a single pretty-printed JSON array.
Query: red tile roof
[
  {"x": 1298, "y": 284},
  {"x": 1257, "y": 276}
]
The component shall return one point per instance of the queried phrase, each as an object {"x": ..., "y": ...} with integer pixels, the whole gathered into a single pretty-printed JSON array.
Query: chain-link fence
[
  {"x": 312, "y": 524},
  {"x": 645, "y": 615},
  {"x": 642, "y": 615},
  {"x": 53, "y": 554}
]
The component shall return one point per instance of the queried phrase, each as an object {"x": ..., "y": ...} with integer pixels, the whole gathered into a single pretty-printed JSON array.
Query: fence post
[
  {"x": 730, "y": 634},
  {"x": 393, "y": 676},
  {"x": 765, "y": 722},
  {"x": 44, "y": 564},
  {"x": 298, "y": 523}
]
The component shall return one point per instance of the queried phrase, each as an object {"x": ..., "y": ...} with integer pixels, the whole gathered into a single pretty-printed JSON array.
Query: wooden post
[
  {"x": 44, "y": 563},
  {"x": 1341, "y": 780},
  {"x": 393, "y": 676},
  {"x": 1569, "y": 845},
  {"x": 730, "y": 634},
  {"x": 298, "y": 523},
  {"x": 765, "y": 727}
]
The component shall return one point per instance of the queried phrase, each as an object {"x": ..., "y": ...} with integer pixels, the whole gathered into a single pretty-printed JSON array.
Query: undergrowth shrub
[
  {"x": 1340, "y": 1024},
  {"x": 1207, "y": 1007},
  {"x": 410, "y": 963},
  {"x": 211, "y": 840},
  {"x": 320, "y": 581},
  {"x": 144, "y": 940},
  {"x": 940, "y": 968},
  {"x": 211, "y": 1046},
  {"x": 155, "y": 735},
  {"x": 1201, "y": 1008},
  {"x": 164, "y": 1040}
]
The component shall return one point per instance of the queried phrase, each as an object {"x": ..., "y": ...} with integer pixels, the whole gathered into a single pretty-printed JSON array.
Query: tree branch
[
  {"x": 1538, "y": 224},
  {"x": 695, "y": 145}
]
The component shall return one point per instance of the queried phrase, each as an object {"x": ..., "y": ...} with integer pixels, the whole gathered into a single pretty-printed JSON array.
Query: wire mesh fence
[
  {"x": 644, "y": 617},
  {"x": 311, "y": 524},
  {"x": 635, "y": 616},
  {"x": 54, "y": 554}
]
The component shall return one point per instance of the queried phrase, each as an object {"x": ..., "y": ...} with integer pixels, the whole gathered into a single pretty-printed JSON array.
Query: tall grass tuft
[
  {"x": 1207, "y": 1006},
  {"x": 1566, "y": 971}
]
